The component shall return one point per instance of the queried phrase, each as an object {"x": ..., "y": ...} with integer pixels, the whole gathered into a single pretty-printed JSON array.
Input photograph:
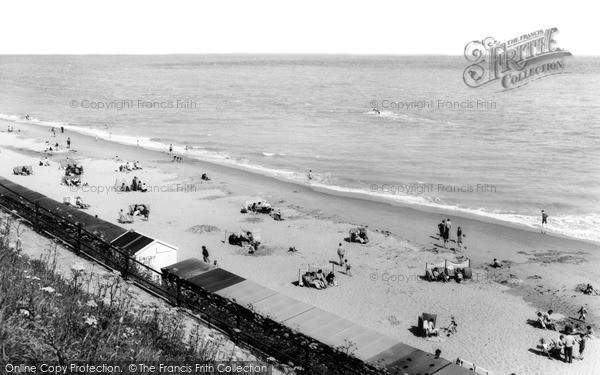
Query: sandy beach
[{"x": 385, "y": 292}]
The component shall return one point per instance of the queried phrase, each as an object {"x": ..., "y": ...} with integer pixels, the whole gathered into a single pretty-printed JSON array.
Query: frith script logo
[{"x": 515, "y": 63}]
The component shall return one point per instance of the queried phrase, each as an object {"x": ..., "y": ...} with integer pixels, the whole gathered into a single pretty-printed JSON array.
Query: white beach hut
[{"x": 155, "y": 253}]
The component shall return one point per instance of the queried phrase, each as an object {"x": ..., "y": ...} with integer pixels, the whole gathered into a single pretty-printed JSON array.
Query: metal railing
[{"x": 242, "y": 324}]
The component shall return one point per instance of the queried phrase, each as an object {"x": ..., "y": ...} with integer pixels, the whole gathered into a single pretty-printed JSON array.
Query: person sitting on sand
[
  {"x": 549, "y": 320},
  {"x": 540, "y": 320},
  {"x": 436, "y": 274},
  {"x": 330, "y": 278},
  {"x": 589, "y": 289},
  {"x": 79, "y": 203},
  {"x": 459, "y": 275},
  {"x": 310, "y": 280},
  {"x": 46, "y": 162},
  {"x": 321, "y": 278},
  {"x": 277, "y": 215},
  {"x": 125, "y": 218},
  {"x": 430, "y": 329},
  {"x": 496, "y": 263},
  {"x": 590, "y": 332},
  {"x": 551, "y": 348},
  {"x": 204, "y": 177}
]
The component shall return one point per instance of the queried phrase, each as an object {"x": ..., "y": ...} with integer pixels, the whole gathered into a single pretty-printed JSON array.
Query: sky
[{"x": 299, "y": 26}]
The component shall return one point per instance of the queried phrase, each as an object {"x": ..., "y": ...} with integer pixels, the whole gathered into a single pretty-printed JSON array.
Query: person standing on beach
[
  {"x": 442, "y": 228},
  {"x": 170, "y": 148},
  {"x": 341, "y": 252},
  {"x": 448, "y": 227},
  {"x": 205, "y": 255},
  {"x": 582, "y": 313},
  {"x": 348, "y": 268},
  {"x": 310, "y": 177},
  {"x": 459, "y": 236},
  {"x": 582, "y": 340},
  {"x": 69, "y": 142},
  {"x": 568, "y": 342},
  {"x": 544, "y": 222}
]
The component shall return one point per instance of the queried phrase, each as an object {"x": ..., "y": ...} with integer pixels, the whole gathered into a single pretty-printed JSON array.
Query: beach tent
[
  {"x": 248, "y": 204},
  {"x": 449, "y": 267},
  {"x": 359, "y": 232},
  {"x": 256, "y": 234},
  {"x": 447, "y": 263},
  {"x": 327, "y": 269},
  {"x": 23, "y": 170},
  {"x": 156, "y": 253}
]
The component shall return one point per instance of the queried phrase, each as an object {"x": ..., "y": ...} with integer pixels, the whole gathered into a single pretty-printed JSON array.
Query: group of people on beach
[
  {"x": 566, "y": 342},
  {"x": 136, "y": 185},
  {"x": 129, "y": 166},
  {"x": 444, "y": 233},
  {"x": 318, "y": 279}
]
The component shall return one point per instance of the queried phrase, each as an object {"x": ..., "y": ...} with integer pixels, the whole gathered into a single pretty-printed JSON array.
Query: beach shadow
[
  {"x": 295, "y": 283},
  {"x": 435, "y": 238},
  {"x": 534, "y": 323},
  {"x": 539, "y": 352},
  {"x": 418, "y": 332}
]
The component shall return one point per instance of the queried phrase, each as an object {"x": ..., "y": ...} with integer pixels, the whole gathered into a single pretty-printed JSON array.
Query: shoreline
[
  {"x": 316, "y": 221},
  {"x": 318, "y": 189}
]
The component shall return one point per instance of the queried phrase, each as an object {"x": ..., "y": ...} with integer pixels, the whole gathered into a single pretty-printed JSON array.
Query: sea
[{"x": 432, "y": 142}]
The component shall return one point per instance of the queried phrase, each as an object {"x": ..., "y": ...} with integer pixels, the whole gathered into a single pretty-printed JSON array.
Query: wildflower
[
  {"x": 23, "y": 312},
  {"x": 91, "y": 320},
  {"x": 91, "y": 303},
  {"x": 48, "y": 289}
]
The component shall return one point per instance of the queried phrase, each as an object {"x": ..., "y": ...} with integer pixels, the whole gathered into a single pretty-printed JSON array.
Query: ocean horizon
[{"x": 433, "y": 142}]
